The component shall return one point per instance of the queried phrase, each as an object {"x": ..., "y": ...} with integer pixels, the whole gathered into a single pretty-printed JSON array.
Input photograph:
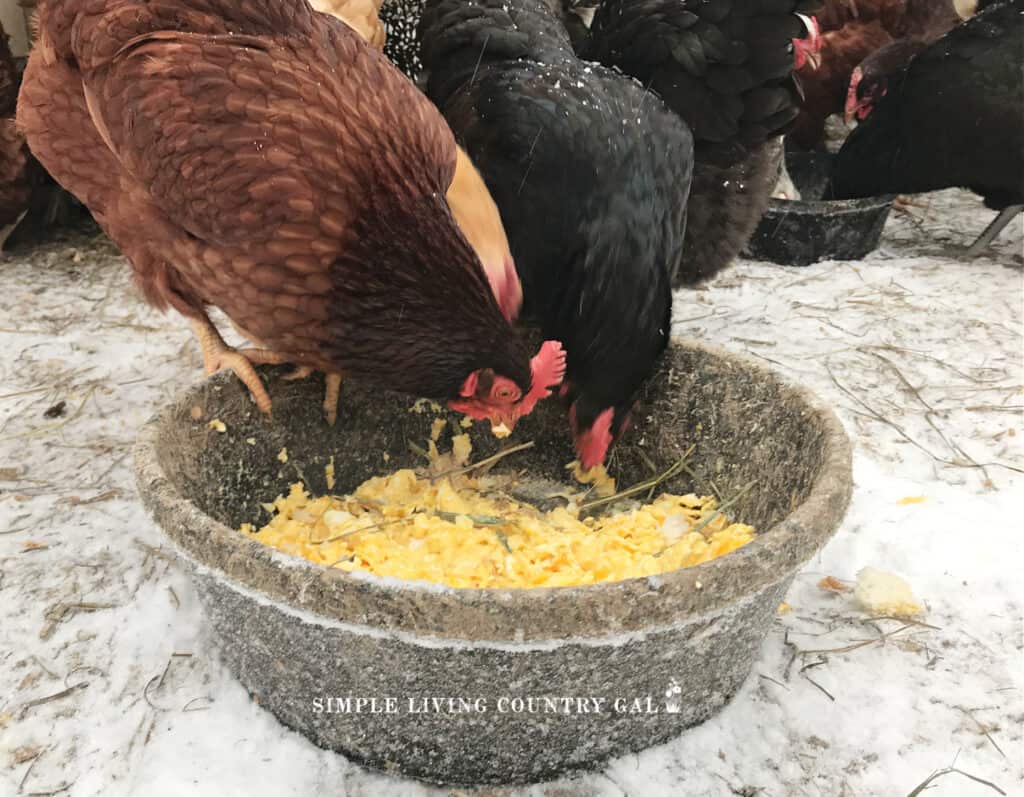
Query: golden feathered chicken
[
  {"x": 262, "y": 158},
  {"x": 471, "y": 203},
  {"x": 360, "y": 15}
]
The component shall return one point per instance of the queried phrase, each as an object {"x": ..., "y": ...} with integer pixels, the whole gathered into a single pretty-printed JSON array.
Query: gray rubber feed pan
[
  {"x": 675, "y": 647},
  {"x": 816, "y": 227}
]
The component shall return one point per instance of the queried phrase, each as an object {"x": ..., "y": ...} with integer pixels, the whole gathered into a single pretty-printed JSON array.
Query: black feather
[
  {"x": 953, "y": 117},
  {"x": 725, "y": 67},
  {"x": 591, "y": 175}
]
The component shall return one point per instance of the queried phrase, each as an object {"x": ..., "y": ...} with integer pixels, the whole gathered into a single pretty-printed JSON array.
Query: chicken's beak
[
  {"x": 856, "y": 111},
  {"x": 503, "y": 423},
  {"x": 809, "y": 47}
]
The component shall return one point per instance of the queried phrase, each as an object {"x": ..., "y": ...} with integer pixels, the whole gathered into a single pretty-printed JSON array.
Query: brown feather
[
  {"x": 851, "y": 31},
  {"x": 18, "y": 171},
  {"x": 825, "y": 87},
  {"x": 262, "y": 158}
]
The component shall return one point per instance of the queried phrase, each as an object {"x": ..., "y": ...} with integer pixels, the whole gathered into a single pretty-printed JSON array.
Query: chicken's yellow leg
[
  {"x": 331, "y": 396},
  {"x": 217, "y": 356},
  {"x": 300, "y": 372},
  {"x": 332, "y": 393}
]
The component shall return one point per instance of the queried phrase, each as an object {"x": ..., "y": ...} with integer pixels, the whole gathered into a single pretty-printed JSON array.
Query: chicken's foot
[
  {"x": 331, "y": 394},
  {"x": 989, "y": 235},
  {"x": 217, "y": 356},
  {"x": 299, "y": 372}
]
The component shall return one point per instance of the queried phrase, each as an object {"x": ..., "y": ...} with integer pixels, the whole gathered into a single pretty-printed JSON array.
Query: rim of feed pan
[{"x": 496, "y": 615}]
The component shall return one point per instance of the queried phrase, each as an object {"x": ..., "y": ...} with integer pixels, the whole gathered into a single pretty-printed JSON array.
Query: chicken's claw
[
  {"x": 332, "y": 389},
  {"x": 241, "y": 362},
  {"x": 218, "y": 356},
  {"x": 300, "y": 372}
]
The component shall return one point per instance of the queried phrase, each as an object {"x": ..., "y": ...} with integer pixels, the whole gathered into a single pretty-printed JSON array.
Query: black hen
[
  {"x": 726, "y": 204},
  {"x": 591, "y": 177},
  {"x": 951, "y": 117},
  {"x": 728, "y": 69}
]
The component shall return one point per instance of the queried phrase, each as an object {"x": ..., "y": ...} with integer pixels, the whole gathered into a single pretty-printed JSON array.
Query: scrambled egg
[
  {"x": 465, "y": 532},
  {"x": 604, "y": 484}
]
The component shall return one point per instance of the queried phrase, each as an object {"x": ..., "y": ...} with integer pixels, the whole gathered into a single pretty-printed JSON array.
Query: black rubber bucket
[{"x": 798, "y": 233}]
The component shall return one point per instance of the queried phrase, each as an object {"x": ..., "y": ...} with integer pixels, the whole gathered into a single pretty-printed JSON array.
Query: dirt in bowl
[{"x": 445, "y": 525}]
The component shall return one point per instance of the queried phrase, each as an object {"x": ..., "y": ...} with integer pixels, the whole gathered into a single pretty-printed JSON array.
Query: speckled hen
[
  {"x": 401, "y": 20},
  {"x": 262, "y": 158},
  {"x": 591, "y": 175}
]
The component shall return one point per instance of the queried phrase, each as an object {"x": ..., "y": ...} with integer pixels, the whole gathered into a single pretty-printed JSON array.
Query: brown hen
[
  {"x": 851, "y": 31},
  {"x": 262, "y": 158},
  {"x": 16, "y": 168},
  {"x": 471, "y": 203}
]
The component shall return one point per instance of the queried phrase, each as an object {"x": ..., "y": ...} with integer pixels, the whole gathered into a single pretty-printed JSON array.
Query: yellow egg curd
[{"x": 457, "y": 530}]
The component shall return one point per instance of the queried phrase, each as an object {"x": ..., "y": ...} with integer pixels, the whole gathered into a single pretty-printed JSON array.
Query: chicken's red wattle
[
  {"x": 592, "y": 444},
  {"x": 507, "y": 289}
]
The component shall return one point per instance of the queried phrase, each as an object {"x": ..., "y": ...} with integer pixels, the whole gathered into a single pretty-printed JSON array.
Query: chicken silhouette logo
[{"x": 673, "y": 702}]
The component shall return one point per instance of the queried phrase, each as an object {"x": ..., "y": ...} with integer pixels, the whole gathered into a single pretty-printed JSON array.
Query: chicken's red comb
[
  {"x": 547, "y": 370},
  {"x": 807, "y": 50},
  {"x": 813, "y": 32},
  {"x": 469, "y": 386},
  {"x": 852, "y": 100}
]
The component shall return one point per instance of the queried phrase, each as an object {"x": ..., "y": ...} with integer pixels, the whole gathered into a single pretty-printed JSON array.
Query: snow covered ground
[{"x": 109, "y": 686}]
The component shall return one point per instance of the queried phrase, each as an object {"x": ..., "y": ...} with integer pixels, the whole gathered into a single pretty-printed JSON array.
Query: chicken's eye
[{"x": 505, "y": 393}]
